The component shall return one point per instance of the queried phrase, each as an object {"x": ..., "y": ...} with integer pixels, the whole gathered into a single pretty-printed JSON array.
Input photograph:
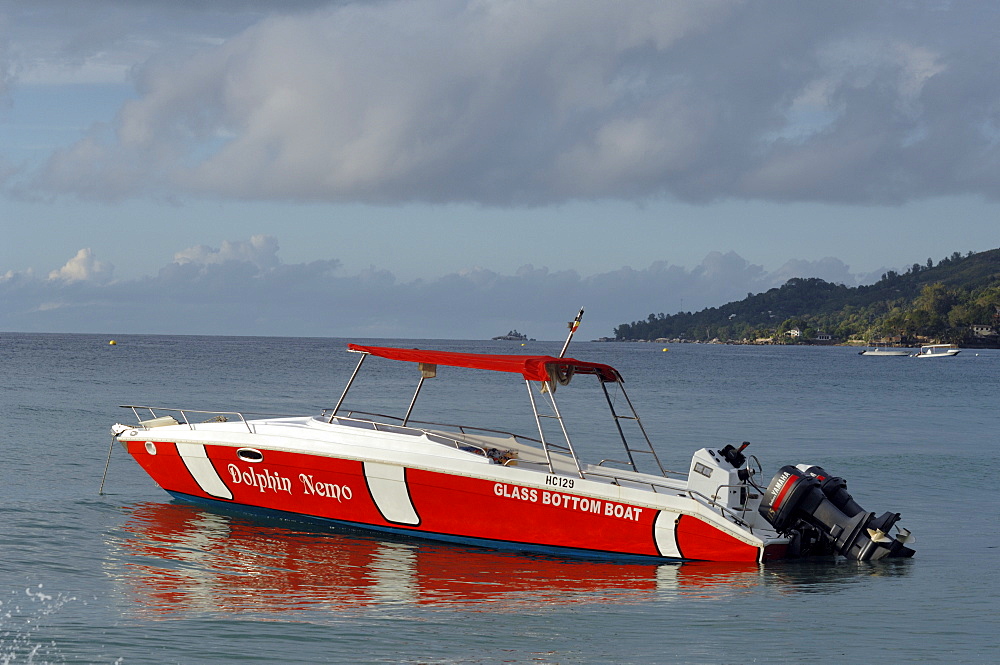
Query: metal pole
[
  {"x": 347, "y": 387},
  {"x": 538, "y": 423},
  {"x": 106, "y": 465},
  {"x": 413, "y": 401},
  {"x": 573, "y": 325},
  {"x": 562, "y": 426}
]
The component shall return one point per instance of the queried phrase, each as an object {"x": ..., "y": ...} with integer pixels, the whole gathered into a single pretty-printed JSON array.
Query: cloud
[
  {"x": 66, "y": 42},
  {"x": 511, "y": 103},
  {"x": 243, "y": 288},
  {"x": 5, "y": 65},
  {"x": 261, "y": 251},
  {"x": 829, "y": 269},
  {"x": 83, "y": 267}
]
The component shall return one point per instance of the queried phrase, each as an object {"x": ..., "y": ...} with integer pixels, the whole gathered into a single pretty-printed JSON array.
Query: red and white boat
[{"x": 497, "y": 489}]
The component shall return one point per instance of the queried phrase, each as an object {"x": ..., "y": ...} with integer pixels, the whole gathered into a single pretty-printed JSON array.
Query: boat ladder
[{"x": 643, "y": 447}]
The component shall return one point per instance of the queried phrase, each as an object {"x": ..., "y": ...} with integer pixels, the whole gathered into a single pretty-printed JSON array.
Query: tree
[{"x": 929, "y": 301}]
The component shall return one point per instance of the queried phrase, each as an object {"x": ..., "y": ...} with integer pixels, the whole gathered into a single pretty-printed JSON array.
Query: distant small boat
[
  {"x": 513, "y": 336},
  {"x": 937, "y": 351},
  {"x": 885, "y": 351}
]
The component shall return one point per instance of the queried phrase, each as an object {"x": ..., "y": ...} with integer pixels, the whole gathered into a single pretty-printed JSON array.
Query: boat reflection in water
[{"x": 179, "y": 559}]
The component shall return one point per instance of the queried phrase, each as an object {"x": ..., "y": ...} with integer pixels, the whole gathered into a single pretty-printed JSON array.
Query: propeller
[{"x": 878, "y": 536}]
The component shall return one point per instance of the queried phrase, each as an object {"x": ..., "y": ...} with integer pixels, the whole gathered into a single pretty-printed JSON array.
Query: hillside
[{"x": 928, "y": 301}]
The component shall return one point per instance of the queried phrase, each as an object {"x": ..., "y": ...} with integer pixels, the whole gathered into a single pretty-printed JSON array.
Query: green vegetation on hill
[{"x": 928, "y": 301}]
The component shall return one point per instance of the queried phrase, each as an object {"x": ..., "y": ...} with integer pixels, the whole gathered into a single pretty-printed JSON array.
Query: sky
[{"x": 458, "y": 168}]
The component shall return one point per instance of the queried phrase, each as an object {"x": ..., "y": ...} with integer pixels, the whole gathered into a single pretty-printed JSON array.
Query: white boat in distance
[
  {"x": 937, "y": 351},
  {"x": 889, "y": 351},
  {"x": 497, "y": 489}
]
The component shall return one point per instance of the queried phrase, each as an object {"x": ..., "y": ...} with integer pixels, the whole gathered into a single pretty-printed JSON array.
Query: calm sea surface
[{"x": 134, "y": 577}]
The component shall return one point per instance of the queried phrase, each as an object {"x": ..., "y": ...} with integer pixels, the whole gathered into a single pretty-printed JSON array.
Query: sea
[{"x": 129, "y": 575}]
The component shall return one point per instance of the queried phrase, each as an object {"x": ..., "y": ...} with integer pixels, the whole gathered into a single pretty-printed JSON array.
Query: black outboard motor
[{"x": 820, "y": 516}]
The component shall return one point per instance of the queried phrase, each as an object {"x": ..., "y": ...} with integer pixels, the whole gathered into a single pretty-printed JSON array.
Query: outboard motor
[{"x": 820, "y": 516}]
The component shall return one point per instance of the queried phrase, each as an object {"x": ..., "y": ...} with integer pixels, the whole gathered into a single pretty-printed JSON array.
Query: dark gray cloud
[
  {"x": 243, "y": 288},
  {"x": 543, "y": 102},
  {"x": 101, "y": 41}
]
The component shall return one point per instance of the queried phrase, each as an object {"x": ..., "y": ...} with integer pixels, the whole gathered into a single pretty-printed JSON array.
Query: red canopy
[{"x": 532, "y": 368}]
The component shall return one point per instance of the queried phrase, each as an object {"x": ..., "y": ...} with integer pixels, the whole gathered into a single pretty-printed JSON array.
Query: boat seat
[{"x": 162, "y": 421}]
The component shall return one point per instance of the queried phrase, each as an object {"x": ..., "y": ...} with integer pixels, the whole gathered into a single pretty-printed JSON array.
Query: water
[{"x": 133, "y": 577}]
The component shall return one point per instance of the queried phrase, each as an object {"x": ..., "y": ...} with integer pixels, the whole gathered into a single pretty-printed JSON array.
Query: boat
[
  {"x": 485, "y": 487},
  {"x": 886, "y": 351},
  {"x": 513, "y": 336},
  {"x": 937, "y": 351}
]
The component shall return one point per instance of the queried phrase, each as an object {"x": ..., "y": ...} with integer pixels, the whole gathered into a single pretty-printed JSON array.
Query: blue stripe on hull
[{"x": 504, "y": 545}]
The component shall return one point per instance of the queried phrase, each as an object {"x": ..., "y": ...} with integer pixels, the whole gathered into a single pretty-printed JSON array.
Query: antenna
[{"x": 573, "y": 325}]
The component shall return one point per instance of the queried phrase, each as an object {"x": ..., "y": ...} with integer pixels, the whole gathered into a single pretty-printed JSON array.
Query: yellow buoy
[
  {"x": 112, "y": 342},
  {"x": 665, "y": 349}
]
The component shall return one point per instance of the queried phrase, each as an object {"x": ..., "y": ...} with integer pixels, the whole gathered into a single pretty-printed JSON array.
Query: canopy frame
[{"x": 548, "y": 370}]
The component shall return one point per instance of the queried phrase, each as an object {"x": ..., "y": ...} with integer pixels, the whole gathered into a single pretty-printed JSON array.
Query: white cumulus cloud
[
  {"x": 84, "y": 267},
  {"x": 260, "y": 250}
]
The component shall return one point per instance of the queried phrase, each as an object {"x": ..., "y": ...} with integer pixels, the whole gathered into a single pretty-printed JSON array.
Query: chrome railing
[
  {"x": 464, "y": 429},
  {"x": 435, "y": 436},
  {"x": 220, "y": 416},
  {"x": 725, "y": 511}
]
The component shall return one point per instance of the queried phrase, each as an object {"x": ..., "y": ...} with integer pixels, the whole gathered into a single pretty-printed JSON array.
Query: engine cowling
[{"x": 820, "y": 516}]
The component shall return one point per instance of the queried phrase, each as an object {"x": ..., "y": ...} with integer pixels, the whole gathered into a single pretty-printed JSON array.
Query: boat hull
[
  {"x": 471, "y": 507},
  {"x": 895, "y": 353}
]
